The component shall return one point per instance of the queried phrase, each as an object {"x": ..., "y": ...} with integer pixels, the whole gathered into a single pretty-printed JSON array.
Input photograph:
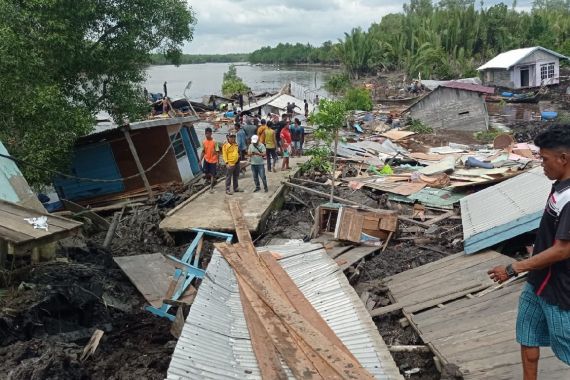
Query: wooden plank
[
  {"x": 265, "y": 351},
  {"x": 461, "y": 307},
  {"x": 477, "y": 272},
  {"x": 412, "y": 307},
  {"x": 459, "y": 270},
  {"x": 97, "y": 219},
  {"x": 440, "y": 218},
  {"x": 337, "y": 251},
  {"x": 140, "y": 168},
  {"x": 300, "y": 302},
  {"x": 430, "y": 267},
  {"x": 242, "y": 230},
  {"x": 354, "y": 255},
  {"x": 290, "y": 351},
  {"x": 343, "y": 364}
]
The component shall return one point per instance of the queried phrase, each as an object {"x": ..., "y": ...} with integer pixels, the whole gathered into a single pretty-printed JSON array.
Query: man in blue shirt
[{"x": 241, "y": 140}]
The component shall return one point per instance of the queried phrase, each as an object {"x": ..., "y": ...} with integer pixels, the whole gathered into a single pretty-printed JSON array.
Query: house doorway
[
  {"x": 181, "y": 157},
  {"x": 525, "y": 77}
]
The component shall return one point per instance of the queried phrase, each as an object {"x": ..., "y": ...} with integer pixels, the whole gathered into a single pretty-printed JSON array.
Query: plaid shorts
[{"x": 540, "y": 324}]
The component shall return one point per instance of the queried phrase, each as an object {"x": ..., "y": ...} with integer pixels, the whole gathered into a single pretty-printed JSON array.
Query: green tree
[
  {"x": 232, "y": 83},
  {"x": 62, "y": 62},
  {"x": 331, "y": 116},
  {"x": 358, "y": 99}
]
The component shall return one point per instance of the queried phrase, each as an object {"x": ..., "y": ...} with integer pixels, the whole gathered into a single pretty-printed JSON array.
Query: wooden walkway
[
  {"x": 210, "y": 211},
  {"x": 476, "y": 333}
]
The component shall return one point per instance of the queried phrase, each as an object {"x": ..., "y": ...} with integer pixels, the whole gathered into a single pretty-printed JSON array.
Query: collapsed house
[
  {"x": 131, "y": 159},
  {"x": 522, "y": 68},
  {"x": 454, "y": 106}
]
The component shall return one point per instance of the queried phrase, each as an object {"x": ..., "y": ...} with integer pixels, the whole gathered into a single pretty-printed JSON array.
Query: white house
[{"x": 522, "y": 68}]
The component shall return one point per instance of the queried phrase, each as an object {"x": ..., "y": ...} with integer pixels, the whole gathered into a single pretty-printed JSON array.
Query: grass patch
[{"x": 487, "y": 137}]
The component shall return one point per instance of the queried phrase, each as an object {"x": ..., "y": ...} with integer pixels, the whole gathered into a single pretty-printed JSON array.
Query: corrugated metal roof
[
  {"x": 215, "y": 341},
  {"x": 504, "y": 211},
  {"x": 469, "y": 87},
  {"x": 433, "y": 84},
  {"x": 510, "y": 58}
]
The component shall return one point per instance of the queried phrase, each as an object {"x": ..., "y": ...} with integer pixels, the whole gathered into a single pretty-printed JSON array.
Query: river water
[{"x": 207, "y": 78}]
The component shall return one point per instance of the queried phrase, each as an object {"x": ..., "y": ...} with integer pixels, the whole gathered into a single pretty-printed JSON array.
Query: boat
[{"x": 527, "y": 97}]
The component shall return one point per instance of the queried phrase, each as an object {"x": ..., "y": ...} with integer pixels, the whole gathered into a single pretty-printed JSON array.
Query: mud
[{"x": 49, "y": 314}]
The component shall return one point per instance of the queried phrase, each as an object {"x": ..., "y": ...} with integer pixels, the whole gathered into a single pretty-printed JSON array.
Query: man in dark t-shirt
[{"x": 544, "y": 307}]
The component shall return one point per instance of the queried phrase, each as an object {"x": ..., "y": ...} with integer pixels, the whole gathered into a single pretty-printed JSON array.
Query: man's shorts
[
  {"x": 210, "y": 169},
  {"x": 540, "y": 324},
  {"x": 296, "y": 145}
]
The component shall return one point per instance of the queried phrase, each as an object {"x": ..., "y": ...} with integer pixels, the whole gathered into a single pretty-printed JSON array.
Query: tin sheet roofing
[
  {"x": 510, "y": 58},
  {"x": 504, "y": 211},
  {"x": 469, "y": 87},
  {"x": 215, "y": 342}
]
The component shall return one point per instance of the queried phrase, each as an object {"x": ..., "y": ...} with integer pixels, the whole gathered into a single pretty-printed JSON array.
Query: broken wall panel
[
  {"x": 503, "y": 211},
  {"x": 452, "y": 109}
]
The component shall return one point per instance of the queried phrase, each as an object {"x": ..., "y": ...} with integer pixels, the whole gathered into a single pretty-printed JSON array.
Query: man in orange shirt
[{"x": 210, "y": 154}]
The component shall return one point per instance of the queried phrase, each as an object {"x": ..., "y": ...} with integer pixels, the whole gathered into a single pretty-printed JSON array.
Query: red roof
[{"x": 469, "y": 87}]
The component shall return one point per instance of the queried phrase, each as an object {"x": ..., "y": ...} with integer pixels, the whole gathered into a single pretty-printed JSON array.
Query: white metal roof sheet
[
  {"x": 215, "y": 341},
  {"x": 507, "y": 203},
  {"x": 510, "y": 58}
]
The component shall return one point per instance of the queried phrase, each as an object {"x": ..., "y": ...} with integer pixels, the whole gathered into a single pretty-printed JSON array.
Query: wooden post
[
  {"x": 138, "y": 162},
  {"x": 3, "y": 254},
  {"x": 334, "y": 164}
]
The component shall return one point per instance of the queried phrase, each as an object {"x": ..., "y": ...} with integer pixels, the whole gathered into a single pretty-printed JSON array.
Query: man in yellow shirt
[
  {"x": 261, "y": 131},
  {"x": 230, "y": 154},
  {"x": 271, "y": 146}
]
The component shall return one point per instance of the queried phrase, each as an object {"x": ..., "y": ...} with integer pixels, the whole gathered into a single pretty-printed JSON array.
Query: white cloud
[{"x": 241, "y": 26}]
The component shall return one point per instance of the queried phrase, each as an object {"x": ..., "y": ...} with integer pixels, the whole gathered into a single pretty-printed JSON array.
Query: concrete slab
[{"x": 211, "y": 212}]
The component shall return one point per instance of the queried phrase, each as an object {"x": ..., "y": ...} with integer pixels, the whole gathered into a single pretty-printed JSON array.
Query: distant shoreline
[{"x": 242, "y": 63}]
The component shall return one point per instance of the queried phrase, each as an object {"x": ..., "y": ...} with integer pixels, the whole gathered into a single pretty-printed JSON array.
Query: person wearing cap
[
  {"x": 230, "y": 154},
  {"x": 257, "y": 152}
]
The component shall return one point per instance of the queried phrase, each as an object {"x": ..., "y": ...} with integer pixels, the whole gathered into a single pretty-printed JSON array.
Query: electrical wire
[{"x": 83, "y": 179}]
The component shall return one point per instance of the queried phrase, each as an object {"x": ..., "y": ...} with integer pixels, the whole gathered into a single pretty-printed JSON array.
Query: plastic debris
[{"x": 39, "y": 223}]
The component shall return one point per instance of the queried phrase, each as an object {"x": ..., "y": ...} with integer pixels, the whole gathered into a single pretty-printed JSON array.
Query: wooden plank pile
[{"x": 283, "y": 325}]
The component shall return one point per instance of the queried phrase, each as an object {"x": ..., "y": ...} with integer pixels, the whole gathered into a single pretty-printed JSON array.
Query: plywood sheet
[
  {"x": 16, "y": 230},
  {"x": 151, "y": 274}
]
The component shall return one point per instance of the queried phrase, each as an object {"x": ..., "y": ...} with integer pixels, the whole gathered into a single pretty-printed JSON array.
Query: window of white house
[
  {"x": 547, "y": 71},
  {"x": 551, "y": 70}
]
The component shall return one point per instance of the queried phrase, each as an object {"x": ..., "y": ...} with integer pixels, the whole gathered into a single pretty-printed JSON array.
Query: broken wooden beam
[
  {"x": 418, "y": 348},
  {"x": 428, "y": 303}
]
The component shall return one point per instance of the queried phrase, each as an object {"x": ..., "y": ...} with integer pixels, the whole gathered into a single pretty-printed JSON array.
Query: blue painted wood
[
  {"x": 221, "y": 235},
  {"x": 501, "y": 233},
  {"x": 187, "y": 257},
  {"x": 184, "y": 277},
  {"x": 92, "y": 161},
  {"x": 190, "y": 151}
]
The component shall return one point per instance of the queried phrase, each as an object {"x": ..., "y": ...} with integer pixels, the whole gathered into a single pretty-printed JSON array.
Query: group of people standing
[{"x": 261, "y": 142}]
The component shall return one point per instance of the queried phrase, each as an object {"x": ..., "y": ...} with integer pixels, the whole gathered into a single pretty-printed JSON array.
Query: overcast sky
[{"x": 242, "y": 26}]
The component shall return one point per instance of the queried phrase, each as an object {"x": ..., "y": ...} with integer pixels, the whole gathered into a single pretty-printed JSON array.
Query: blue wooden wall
[
  {"x": 91, "y": 161},
  {"x": 190, "y": 141}
]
